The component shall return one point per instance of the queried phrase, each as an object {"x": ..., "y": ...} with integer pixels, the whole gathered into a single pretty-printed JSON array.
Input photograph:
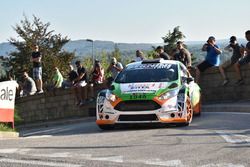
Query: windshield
[{"x": 147, "y": 73}]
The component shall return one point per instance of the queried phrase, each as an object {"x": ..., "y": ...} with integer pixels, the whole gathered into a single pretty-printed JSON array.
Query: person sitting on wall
[
  {"x": 29, "y": 85},
  {"x": 57, "y": 78},
  {"x": 236, "y": 48},
  {"x": 244, "y": 60},
  {"x": 161, "y": 53},
  {"x": 212, "y": 58},
  {"x": 80, "y": 86},
  {"x": 72, "y": 75},
  {"x": 96, "y": 79}
]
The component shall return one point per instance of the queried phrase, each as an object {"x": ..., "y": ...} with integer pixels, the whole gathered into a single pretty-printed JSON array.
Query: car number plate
[{"x": 137, "y": 96}]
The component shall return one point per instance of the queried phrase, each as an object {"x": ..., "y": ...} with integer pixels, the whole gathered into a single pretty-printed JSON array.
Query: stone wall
[
  {"x": 57, "y": 104},
  {"x": 213, "y": 91}
]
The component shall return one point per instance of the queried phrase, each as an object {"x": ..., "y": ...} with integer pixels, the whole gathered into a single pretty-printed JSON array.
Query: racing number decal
[{"x": 137, "y": 96}]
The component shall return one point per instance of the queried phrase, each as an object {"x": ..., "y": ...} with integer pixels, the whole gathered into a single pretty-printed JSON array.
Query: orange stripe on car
[
  {"x": 114, "y": 103},
  {"x": 161, "y": 102},
  {"x": 104, "y": 122},
  {"x": 173, "y": 120}
]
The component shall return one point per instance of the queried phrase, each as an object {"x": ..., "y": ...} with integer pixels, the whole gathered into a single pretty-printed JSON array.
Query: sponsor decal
[
  {"x": 7, "y": 101},
  {"x": 151, "y": 66},
  {"x": 150, "y": 87}
]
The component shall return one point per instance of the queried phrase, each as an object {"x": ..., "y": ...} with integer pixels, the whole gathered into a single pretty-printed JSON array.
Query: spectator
[
  {"x": 235, "y": 47},
  {"x": 212, "y": 57},
  {"x": 184, "y": 55},
  {"x": 80, "y": 86},
  {"x": 57, "y": 78},
  {"x": 97, "y": 78},
  {"x": 97, "y": 73},
  {"x": 29, "y": 85},
  {"x": 174, "y": 54},
  {"x": 72, "y": 75},
  {"x": 139, "y": 56},
  {"x": 37, "y": 68},
  {"x": 115, "y": 67},
  {"x": 244, "y": 60},
  {"x": 161, "y": 53}
]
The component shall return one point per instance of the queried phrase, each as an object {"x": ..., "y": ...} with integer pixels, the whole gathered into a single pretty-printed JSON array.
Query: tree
[
  {"x": 50, "y": 46},
  {"x": 171, "y": 38}
]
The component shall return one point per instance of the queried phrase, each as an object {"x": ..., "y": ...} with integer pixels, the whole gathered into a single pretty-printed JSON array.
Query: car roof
[{"x": 153, "y": 61}]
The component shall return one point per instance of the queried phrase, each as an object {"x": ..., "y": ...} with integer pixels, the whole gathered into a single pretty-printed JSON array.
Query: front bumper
[{"x": 168, "y": 112}]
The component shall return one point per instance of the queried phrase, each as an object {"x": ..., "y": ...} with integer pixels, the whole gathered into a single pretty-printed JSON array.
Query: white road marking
[
  {"x": 54, "y": 155},
  {"x": 234, "y": 138},
  {"x": 42, "y": 163},
  {"x": 110, "y": 159},
  {"x": 8, "y": 150},
  {"x": 37, "y": 137},
  {"x": 51, "y": 131},
  {"x": 164, "y": 163},
  {"x": 223, "y": 165},
  {"x": 230, "y": 113}
]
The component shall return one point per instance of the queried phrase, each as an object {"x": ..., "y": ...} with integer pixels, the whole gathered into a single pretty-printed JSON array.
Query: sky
[{"x": 130, "y": 21}]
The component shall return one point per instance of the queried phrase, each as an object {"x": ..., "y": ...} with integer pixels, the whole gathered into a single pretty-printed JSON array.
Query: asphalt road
[{"x": 212, "y": 140}]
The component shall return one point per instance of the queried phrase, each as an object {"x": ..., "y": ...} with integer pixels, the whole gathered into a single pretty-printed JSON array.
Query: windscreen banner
[{"x": 7, "y": 101}]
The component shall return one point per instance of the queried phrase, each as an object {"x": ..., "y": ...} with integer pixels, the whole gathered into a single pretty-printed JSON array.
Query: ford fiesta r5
[{"x": 150, "y": 91}]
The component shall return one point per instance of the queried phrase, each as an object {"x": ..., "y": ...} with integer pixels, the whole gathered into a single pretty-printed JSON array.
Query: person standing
[
  {"x": 139, "y": 56},
  {"x": 115, "y": 67},
  {"x": 184, "y": 55},
  {"x": 36, "y": 58},
  {"x": 236, "y": 48},
  {"x": 161, "y": 53},
  {"x": 212, "y": 57},
  {"x": 244, "y": 60}
]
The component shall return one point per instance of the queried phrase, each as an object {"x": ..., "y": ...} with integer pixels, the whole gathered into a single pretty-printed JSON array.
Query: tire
[
  {"x": 190, "y": 114},
  {"x": 106, "y": 127}
]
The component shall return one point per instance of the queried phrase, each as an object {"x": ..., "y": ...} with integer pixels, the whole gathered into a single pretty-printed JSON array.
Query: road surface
[{"x": 212, "y": 140}]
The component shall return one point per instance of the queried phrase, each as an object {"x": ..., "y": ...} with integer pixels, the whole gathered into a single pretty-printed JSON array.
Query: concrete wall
[
  {"x": 213, "y": 91},
  {"x": 54, "y": 105}
]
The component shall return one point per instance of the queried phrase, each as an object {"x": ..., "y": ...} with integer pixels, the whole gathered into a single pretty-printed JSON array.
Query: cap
[{"x": 232, "y": 39}]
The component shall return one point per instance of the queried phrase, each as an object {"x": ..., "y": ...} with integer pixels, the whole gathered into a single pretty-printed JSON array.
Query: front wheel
[
  {"x": 190, "y": 113},
  {"x": 106, "y": 127}
]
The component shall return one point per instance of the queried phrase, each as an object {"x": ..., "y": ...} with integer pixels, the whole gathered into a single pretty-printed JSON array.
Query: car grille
[
  {"x": 145, "y": 117},
  {"x": 137, "y": 105}
]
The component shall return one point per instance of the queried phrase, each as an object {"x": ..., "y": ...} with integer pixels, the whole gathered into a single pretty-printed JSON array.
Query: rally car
[{"x": 150, "y": 91}]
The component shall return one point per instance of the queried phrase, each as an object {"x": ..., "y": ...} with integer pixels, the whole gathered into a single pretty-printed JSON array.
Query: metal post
[{"x": 93, "y": 59}]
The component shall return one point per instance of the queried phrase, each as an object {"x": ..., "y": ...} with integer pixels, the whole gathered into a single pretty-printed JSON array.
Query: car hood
[{"x": 148, "y": 89}]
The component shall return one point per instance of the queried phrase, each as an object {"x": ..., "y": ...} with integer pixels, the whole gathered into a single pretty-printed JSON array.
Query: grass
[{"x": 5, "y": 128}]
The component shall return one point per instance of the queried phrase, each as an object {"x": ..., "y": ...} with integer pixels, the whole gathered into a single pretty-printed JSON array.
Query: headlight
[
  {"x": 110, "y": 96},
  {"x": 169, "y": 94}
]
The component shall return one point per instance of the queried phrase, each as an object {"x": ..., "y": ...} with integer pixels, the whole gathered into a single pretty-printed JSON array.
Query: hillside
[{"x": 84, "y": 48}]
